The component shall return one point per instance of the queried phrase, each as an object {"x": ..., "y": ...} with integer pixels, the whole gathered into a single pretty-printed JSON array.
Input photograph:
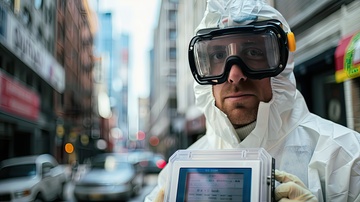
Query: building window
[
  {"x": 172, "y": 34},
  {"x": 10, "y": 3},
  {"x": 172, "y": 53},
  {"x": 172, "y": 15},
  {"x": 38, "y": 4},
  {"x": 26, "y": 17}
]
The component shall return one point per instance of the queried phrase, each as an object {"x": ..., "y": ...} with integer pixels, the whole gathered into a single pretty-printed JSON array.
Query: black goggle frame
[{"x": 256, "y": 27}]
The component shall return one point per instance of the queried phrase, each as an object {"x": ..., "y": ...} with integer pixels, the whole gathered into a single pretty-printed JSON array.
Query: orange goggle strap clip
[{"x": 291, "y": 41}]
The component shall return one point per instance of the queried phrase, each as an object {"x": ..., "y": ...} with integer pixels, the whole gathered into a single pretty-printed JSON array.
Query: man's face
[{"x": 239, "y": 96}]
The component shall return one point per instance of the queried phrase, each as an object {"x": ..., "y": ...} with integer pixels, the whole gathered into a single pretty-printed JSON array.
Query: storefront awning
[{"x": 347, "y": 58}]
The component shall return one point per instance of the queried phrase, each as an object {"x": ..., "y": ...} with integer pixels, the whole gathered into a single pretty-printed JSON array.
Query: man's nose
[{"x": 236, "y": 74}]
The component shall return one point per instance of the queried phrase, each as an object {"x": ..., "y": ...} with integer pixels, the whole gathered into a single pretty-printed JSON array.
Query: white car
[
  {"x": 111, "y": 177},
  {"x": 32, "y": 178}
]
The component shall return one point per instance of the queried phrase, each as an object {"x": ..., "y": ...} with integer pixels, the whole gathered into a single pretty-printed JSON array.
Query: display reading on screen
[{"x": 214, "y": 184}]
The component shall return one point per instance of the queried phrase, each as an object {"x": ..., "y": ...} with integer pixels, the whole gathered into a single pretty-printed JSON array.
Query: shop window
[
  {"x": 29, "y": 79},
  {"x": 39, "y": 87},
  {"x": 62, "y": 100},
  {"x": 10, "y": 67},
  {"x": 1, "y": 62},
  {"x": 59, "y": 100},
  {"x": 22, "y": 76}
]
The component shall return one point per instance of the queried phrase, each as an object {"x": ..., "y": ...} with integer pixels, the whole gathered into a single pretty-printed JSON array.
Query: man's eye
[
  {"x": 218, "y": 56},
  {"x": 254, "y": 53}
]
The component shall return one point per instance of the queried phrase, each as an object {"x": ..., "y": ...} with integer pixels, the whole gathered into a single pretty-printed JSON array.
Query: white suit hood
[
  {"x": 271, "y": 115},
  {"x": 323, "y": 154}
]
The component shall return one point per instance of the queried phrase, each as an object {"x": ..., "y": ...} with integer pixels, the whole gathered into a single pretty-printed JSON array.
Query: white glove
[
  {"x": 291, "y": 188},
  {"x": 160, "y": 196}
]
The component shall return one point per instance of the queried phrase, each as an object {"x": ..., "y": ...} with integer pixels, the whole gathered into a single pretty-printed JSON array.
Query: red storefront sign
[
  {"x": 18, "y": 100},
  {"x": 347, "y": 58}
]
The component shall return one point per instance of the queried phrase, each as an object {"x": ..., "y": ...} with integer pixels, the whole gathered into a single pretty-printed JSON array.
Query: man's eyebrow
[
  {"x": 249, "y": 43},
  {"x": 217, "y": 47}
]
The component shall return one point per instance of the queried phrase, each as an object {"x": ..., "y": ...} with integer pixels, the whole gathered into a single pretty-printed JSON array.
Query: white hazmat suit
[{"x": 323, "y": 154}]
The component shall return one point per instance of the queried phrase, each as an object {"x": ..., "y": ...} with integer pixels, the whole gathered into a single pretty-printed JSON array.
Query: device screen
[{"x": 214, "y": 184}]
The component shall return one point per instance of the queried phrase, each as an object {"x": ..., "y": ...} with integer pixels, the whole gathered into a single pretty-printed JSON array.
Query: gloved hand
[
  {"x": 291, "y": 188},
  {"x": 160, "y": 196}
]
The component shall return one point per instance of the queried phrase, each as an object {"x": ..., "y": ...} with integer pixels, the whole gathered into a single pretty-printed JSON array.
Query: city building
[
  {"x": 165, "y": 121},
  {"x": 29, "y": 76},
  {"x": 189, "y": 16},
  {"x": 325, "y": 59},
  {"x": 46, "y": 79},
  {"x": 78, "y": 122}
]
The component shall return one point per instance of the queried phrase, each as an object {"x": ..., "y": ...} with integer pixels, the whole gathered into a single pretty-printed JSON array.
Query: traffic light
[{"x": 69, "y": 148}]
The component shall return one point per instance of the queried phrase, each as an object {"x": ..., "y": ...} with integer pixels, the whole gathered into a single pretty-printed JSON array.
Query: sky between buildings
[{"x": 138, "y": 18}]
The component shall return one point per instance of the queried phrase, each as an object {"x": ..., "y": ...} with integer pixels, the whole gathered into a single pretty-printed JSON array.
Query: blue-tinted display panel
[{"x": 214, "y": 184}]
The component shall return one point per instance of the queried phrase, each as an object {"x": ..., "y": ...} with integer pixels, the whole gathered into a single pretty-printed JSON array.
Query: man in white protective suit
[{"x": 242, "y": 61}]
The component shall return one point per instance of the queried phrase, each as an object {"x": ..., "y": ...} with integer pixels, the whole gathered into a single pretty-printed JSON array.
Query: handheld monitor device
[{"x": 221, "y": 175}]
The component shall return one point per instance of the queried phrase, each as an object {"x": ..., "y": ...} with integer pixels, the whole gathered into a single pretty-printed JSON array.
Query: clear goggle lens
[{"x": 258, "y": 52}]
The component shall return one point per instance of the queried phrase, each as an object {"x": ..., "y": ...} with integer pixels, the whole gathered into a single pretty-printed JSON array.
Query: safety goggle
[{"x": 260, "y": 49}]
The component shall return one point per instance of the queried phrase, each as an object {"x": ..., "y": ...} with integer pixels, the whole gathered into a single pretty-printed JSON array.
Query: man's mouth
[{"x": 238, "y": 95}]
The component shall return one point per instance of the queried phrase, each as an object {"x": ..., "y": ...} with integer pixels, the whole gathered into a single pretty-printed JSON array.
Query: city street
[{"x": 150, "y": 182}]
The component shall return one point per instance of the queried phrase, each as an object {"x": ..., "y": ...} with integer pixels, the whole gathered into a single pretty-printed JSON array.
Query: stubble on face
[{"x": 241, "y": 102}]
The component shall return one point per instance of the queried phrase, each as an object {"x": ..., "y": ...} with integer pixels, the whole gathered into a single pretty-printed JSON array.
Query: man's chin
[
  {"x": 241, "y": 122},
  {"x": 240, "y": 125},
  {"x": 241, "y": 117}
]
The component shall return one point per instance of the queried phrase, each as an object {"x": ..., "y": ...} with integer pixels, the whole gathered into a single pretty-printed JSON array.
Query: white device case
[{"x": 221, "y": 175}]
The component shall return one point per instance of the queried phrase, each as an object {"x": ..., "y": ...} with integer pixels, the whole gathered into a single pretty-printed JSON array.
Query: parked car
[
  {"x": 32, "y": 178},
  {"x": 111, "y": 177},
  {"x": 153, "y": 164}
]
